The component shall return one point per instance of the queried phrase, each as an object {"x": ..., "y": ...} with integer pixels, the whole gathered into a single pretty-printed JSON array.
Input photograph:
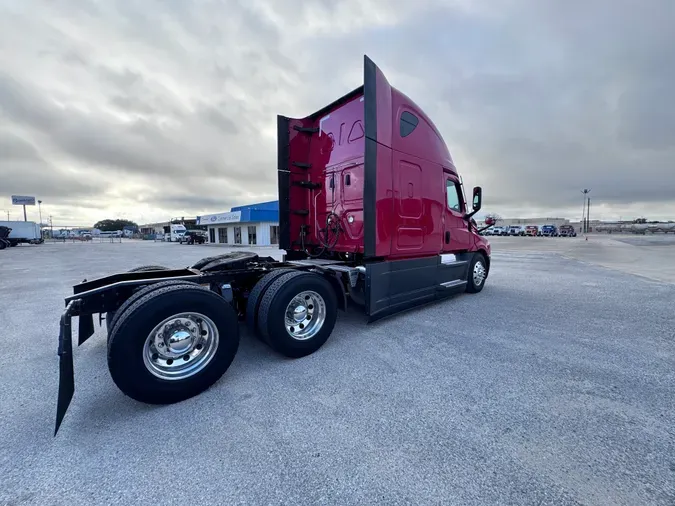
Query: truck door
[{"x": 456, "y": 234}]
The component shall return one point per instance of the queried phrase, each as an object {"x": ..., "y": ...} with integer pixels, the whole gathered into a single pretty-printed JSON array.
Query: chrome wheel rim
[
  {"x": 305, "y": 315},
  {"x": 478, "y": 273},
  {"x": 180, "y": 346}
]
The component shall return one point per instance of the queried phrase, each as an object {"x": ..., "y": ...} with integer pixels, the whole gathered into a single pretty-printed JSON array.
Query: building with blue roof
[{"x": 254, "y": 224}]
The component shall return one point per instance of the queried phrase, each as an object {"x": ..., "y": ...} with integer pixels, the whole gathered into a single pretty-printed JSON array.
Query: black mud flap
[
  {"x": 66, "y": 373},
  {"x": 85, "y": 328}
]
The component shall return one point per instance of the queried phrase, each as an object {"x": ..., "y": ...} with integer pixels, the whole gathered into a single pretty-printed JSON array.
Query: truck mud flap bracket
[{"x": 66, "y": 371}]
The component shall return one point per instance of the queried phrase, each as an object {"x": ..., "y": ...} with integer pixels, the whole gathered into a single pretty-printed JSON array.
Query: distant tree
[{"x": 112, "y": 225}]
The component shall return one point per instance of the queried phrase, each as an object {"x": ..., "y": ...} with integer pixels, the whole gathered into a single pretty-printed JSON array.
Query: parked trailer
[
  {"x": 26, "y": 232},
  {"x": 371, "y": 209}
]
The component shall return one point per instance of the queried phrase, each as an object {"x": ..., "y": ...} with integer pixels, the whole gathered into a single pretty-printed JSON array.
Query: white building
[{"x": 254, "y": 225}]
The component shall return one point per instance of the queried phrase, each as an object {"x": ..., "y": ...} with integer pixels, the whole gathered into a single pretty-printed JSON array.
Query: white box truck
[{"x": 23, "y": 232}]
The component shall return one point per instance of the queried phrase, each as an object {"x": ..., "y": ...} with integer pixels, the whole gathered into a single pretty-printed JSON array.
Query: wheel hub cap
[
  {"x": 305, "y": 315},
  {"x": 180, "y": 346},
  {"x": 180, "y": 341},
  {"x": 300, "y": 313},
  {"x": 478, "y": 273}
]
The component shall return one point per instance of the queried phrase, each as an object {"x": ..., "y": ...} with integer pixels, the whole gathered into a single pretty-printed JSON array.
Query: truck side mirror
[{"x": 477, "y": 198}]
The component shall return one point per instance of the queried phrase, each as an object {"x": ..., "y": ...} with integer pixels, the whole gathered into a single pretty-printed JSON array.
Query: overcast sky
[{"x": 156, "y": 109}]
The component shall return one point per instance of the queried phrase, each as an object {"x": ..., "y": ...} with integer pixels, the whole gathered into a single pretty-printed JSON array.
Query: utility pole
[
  {"x": 588, "y": 216},
  {"x": 585, "y": 191},
  {"x": 51, "y": 227}
]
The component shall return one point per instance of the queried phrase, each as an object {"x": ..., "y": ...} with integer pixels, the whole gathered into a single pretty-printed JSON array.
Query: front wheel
[
  {"x": 477, "y": 273},
  {"x": 172, "y": 344}
]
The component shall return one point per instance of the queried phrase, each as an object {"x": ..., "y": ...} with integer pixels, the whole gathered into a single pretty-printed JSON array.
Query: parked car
[
  {"x": 192, "y": 237},
  {"x": 549, "y": 231},
  {"x": 567, "y": 231},
  {"x": 532, "y": 230},
  {"x": 516, "y": 230}
]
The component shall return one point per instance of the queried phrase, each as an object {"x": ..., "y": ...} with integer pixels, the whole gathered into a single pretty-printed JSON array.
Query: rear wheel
[
  {"x": 172, "y": 344},
  {"x": 297, "y": 313},
  {"x": 110, "y": 315},
  {"x": 477, "y": 273},
  {"x": 256, "y": 295},
  {"x": 232, "y": 260}
]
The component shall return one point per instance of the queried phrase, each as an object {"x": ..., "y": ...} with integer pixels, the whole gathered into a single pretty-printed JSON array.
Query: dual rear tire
[
  {"x": 297, "y": 313},
  {"x": 171, "y": 342},
  {"x": 174, "y": 339}
]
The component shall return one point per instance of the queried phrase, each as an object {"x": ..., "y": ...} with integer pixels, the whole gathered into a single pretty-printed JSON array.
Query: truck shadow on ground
[{"x": 102, "y": 406}]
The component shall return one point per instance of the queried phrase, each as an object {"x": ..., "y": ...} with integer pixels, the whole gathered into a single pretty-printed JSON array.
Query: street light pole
[
  {"x": 40, "y": 212},
  {"x": 585, "y": 191}
]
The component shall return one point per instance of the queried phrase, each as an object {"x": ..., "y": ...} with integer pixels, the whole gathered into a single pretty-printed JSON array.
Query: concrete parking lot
[{"x": 554, "y": 385}]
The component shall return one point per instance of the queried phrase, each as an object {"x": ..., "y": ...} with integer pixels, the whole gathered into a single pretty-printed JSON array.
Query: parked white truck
[
  {"x": 174, "y": 232},
  {"x": 23, "y": 232}
]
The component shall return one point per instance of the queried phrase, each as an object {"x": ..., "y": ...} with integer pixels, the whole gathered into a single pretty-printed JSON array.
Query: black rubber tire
[
  {"x": 3, "y": 245},
  {"x": 256, "y": 295},
  {"x": 471, "y": 287},
  {"x": 271, "y": 314},
  {"x": 148, "y": 268},
  {"x": 110, "y": 315},
  {"x": 234, "y": 257},
  {"x": 125, "y": 351}
]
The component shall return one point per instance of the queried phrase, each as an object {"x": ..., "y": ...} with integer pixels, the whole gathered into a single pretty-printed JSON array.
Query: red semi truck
[{"x": 372, "y": 210}]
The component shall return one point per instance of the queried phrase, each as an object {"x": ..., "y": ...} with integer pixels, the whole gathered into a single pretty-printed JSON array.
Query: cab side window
[
  {"x": 453, "y": 195},
  {"x": 407, "y": 123}
]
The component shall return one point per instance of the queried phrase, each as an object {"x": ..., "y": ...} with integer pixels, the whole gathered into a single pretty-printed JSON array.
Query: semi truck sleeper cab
[{"x": 372, "y": 209}]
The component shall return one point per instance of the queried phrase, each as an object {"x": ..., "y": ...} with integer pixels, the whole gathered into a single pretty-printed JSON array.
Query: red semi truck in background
[{"x": 372, "y": 210}]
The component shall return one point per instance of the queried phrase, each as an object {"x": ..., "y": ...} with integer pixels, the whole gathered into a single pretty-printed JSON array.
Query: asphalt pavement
[{"x": 554, "y": 385}]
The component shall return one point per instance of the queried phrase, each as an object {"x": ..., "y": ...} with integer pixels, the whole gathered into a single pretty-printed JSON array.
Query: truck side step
[
  {"x": 306, "y": 130},
  {"x": 302, "y": 165},
  {"x": 307, "y": 184},
  {"x": 300, "y": 212},
  {"x": 454, "y": 283}
]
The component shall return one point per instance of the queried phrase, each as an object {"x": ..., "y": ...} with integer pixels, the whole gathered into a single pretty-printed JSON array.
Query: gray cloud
[{"x": 161, "y": 108}]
